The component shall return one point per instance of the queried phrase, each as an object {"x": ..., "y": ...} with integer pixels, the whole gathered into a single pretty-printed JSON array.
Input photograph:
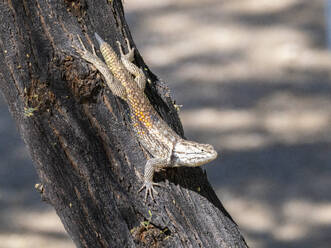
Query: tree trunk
[{"x": 80, "y": 139}]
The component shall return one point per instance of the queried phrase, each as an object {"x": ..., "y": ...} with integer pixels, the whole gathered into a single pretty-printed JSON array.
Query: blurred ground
[{"x": 254, "y": 79}]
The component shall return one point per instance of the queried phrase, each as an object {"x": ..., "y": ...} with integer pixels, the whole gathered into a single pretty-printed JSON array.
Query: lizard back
[{"x": 152, "y": 131}]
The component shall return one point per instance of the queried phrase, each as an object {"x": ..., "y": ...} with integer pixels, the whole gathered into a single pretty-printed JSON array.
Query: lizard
[{"x": 127, "y": 81}]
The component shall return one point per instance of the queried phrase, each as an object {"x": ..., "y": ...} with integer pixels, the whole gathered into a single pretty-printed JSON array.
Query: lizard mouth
[{"x": 214, "y": 155}]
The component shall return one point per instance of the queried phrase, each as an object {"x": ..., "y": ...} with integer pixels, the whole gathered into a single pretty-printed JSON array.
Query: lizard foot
[
  {"x": 149, "y": 189},
  {"x": 130, "y": 55},
  {"x": 81, "y": 50}
]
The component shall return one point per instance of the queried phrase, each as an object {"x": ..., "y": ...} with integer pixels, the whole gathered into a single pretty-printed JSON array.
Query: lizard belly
[{"x": 158, "y": 142}]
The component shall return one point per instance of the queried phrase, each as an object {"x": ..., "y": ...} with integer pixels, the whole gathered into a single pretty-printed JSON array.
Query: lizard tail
[{"x": 99, "y": 39}]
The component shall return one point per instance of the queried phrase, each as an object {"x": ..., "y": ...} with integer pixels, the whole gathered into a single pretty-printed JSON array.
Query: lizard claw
[
  {"x": 129, "y": 45},
  {"x": 130, "y": 55},
  {"x": 120, "y": 47},
  {"x": 149, "y": 189},
  {"x": 81, "y": 50},
  {"x": 93, "y": 50}
]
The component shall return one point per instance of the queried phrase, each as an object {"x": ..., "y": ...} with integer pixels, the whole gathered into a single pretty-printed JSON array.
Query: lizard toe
[{"x": 149, "y": 189}]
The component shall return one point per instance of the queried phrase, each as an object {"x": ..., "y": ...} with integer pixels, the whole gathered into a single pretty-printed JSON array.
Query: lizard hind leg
[
  {"x": 115, "y": 86},
  {"x": 132, "y": 68}
]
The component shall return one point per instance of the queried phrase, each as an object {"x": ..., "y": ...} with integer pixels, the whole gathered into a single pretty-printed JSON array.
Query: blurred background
[{"x": 253, "y": 77}]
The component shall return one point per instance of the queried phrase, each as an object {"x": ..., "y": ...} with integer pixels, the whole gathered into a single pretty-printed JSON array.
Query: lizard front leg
[{"x": 151, "y": 166}]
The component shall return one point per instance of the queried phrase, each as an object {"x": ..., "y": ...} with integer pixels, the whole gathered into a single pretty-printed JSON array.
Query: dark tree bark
[{"x": 80, "y": 138}]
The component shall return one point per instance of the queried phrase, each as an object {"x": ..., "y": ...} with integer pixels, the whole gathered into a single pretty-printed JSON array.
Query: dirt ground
[{"x": 253, "y": 77}]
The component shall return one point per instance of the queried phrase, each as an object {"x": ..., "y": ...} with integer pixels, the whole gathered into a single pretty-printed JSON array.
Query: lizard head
[{"x": 190, "y": 153}]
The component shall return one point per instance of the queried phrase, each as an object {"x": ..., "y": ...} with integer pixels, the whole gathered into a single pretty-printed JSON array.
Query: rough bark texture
[{"x": 79, "y": 134}]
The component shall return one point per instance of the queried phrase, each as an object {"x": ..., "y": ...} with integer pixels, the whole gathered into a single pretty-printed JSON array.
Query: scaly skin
[{"x": 166, "y": 147}]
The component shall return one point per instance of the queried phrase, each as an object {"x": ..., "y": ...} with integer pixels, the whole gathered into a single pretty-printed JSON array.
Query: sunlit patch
[
  {"x": 34, "y": 229},
  {"x": 253, "y": 216},
  {"x": 262, "y": 6},
  {"x": 319, "y": 213}
]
